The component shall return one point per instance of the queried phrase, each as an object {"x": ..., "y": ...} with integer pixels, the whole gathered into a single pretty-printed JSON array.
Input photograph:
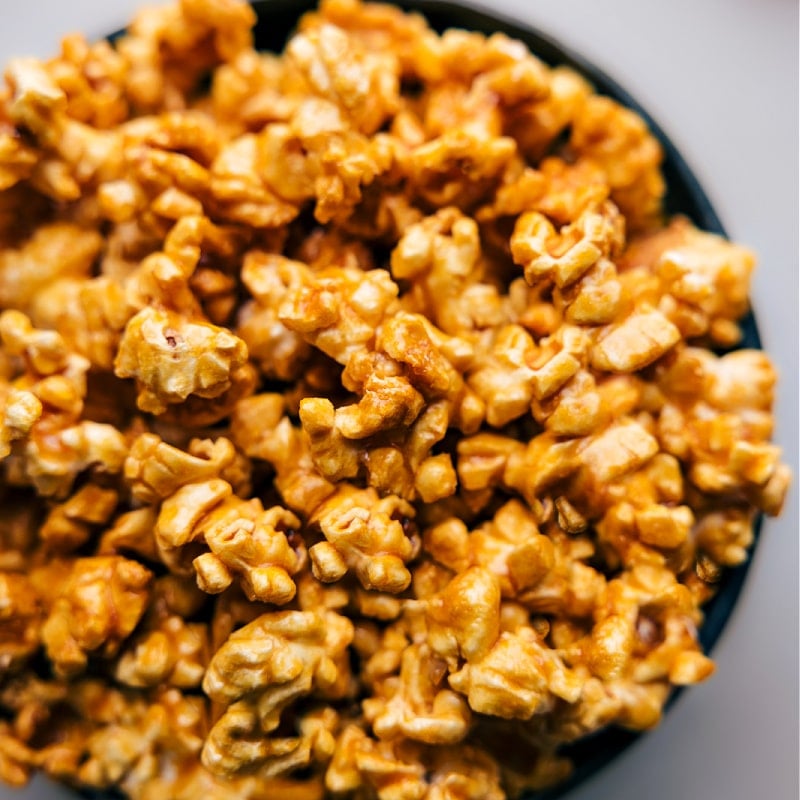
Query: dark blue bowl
[{"x": 276, "y": 21}]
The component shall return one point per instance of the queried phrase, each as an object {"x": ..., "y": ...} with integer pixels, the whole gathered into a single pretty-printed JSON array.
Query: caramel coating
[{"x": 361, "y": 431}]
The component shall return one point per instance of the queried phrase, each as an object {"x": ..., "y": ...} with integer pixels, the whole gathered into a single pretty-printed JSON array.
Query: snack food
[{"x": 551, "y": 441}]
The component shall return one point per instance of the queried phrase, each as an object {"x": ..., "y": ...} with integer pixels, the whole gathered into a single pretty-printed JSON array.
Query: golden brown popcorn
[
  {"x": 331, "y": 64},
  {"x": 617, "y": 140},
  {"x": 401, "y": 769},
  {"x": 55, "y": 252},
  {"x": 51, "y": 443},
  {"x": 366, "y": 534},
  {"x": 261, "y": 430},
  {"x": 458, "y": 168},
  {"x": 279, "y": 352},
  {"x": 167, "y": 50},
  {"x": 17, "y": 160},
  {"x": 564, "y": 256},
  {"x": 317, "y": 155},
  {"x": 21, "y": 411},
  {"x": 701, "y": 271},
  {"x": 511, "y": 547},
  {"x": 416, "y": 704},
  {"x": 441, "y": 257},
  {"x": 20, "y": 517},
  {"x": 243, "y": 539},
  {"x": 517, "y": 678},
  {"x": 69, "y": 524},
  {"x": 155, "y": 470},
  {"x": 99, "y": 605},
  {"x": 260, "y": 670},
  {"x": 378, "y": 26},
  {"x": 172, "y": 358},
  {"x": 167, "y": 649},
  {"x": 21, "y": 616}
]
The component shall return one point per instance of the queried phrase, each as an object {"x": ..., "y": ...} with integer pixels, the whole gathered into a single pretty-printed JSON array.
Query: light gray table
[{"x": 721, "y": 77}]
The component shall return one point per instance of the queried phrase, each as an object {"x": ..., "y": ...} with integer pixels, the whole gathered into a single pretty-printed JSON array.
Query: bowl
[{"x": 685, "y": 195}]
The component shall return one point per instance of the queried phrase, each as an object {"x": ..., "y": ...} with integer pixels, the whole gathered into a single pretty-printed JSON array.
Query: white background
[{"x": 721, "y": 77}]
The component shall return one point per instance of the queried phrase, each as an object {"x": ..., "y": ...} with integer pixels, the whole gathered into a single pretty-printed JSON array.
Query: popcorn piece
[
  {"x": 565, "y": 256},
  {"x": 516, "y": 678},
  {"x": 54, "y": 252},
  {"x": 417, "y": 706},
  {"x": 505, "y": 380},
  {"x": 365, "y": 534},
  {"x": 156, "y": 470},
  {"x": 280, "y": 352},
  {"x": 21, "y": 411},
  {"x": 635, "y": 342},
  {"x": 173, "y": 358},
  {"x": 68, "y": 525},
  {"x": 243, "y": 539},
  {"x": 699, "y": 270},
  {"x": 98, "y": 607},
  {"x": 458, "y": 168},
  {"x": 21, "y": 615},
  {"x": 512, "y": 548},
  {"x": 362, "y": 83},
  {"x": 619, "y": 449},
  {"x": 464, "y": 618},
  {"x": 617, "y": 140},
  {"x": 260, "y": 670},
  {"x": 167, "y": 649}
]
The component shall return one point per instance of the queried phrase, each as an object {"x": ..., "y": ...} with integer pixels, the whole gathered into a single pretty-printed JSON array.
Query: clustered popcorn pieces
[{"x": 362, "y": 429}]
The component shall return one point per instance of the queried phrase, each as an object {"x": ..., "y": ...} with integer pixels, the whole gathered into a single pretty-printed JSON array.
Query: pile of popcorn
[{"x": 361, "y": 427}]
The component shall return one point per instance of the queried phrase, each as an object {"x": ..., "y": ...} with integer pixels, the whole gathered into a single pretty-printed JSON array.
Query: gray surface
[{"x": 720, "y": 76}]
